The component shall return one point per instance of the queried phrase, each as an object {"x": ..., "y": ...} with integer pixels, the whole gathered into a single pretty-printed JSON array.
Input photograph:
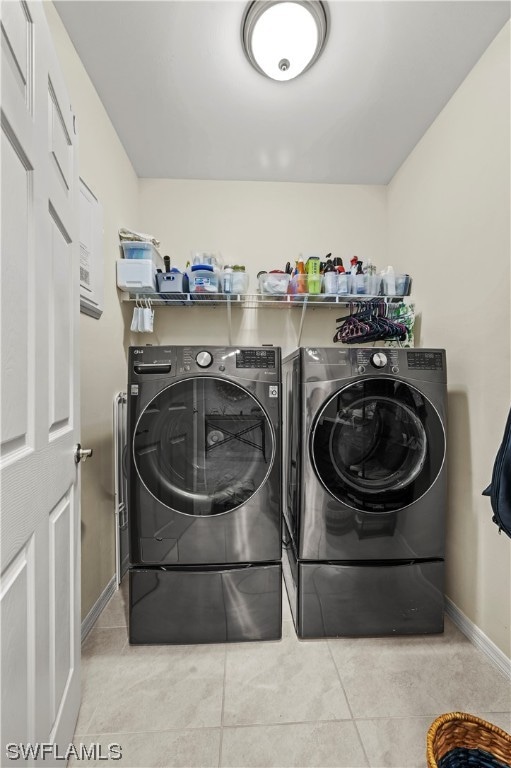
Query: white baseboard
[
  {"x": 98, "y": 606},
  {"x": 478, "y": 638}
]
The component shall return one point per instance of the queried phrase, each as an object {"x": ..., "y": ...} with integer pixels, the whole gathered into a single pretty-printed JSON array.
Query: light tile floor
[{"x": 338, "y": 703}]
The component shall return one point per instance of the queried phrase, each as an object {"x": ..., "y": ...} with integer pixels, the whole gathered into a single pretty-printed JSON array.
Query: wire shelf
[{"x": 252, "y": 300}]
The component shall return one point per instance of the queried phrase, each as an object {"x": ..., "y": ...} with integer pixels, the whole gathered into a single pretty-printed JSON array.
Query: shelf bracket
[
  {"x": 229, "y": 321},
  {"x": 302, "y": 318}
]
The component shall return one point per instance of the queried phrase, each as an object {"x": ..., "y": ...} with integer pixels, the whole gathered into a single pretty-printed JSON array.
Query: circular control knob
[
  {"x": 379, "y": 360},
  {"x": 204, "y": 359}
]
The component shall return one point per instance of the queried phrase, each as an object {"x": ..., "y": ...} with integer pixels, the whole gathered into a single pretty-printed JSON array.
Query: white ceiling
[{"x": 187, "y": 104}]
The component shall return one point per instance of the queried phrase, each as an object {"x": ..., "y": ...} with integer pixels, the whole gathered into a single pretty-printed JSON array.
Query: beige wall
[
  {"x": 449, "y": 220},
  {"x": 262, "y": 225},
  {"x": 105, "y": 168}
]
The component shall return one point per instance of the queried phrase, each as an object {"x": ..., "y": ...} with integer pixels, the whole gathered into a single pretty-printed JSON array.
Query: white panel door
[{"x": 40, "y": 589}]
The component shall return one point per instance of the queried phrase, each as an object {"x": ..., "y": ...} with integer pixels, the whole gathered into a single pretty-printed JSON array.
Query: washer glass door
[
  {"x": 377, "y": 445},
  {"x": 203, "y": 446}
]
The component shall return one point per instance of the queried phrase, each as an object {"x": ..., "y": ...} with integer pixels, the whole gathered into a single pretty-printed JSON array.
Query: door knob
[{"x": 82, "y": 454}]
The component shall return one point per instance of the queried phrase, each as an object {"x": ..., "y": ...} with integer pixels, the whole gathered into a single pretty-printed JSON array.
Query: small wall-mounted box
[{"x": 136, "y": 275}]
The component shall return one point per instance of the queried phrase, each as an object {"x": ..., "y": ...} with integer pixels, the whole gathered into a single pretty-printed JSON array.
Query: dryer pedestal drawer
[
  {"x": 332, "y": 600},
  {"x": 205, "y": 605}
]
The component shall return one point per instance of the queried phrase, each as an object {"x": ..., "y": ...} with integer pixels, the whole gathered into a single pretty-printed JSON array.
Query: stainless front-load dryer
[
  {"x": 204, "y": 478},
  {"x": 364, "y": 490}
]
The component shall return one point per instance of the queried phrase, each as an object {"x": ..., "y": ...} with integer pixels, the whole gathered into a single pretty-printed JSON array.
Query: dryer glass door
[
  {"x": 377, "y": 445},
  {"x": 203, "y": 446}
]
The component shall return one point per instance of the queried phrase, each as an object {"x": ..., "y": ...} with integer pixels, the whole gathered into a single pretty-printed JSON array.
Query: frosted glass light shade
[{"x": 283, "y": 38}]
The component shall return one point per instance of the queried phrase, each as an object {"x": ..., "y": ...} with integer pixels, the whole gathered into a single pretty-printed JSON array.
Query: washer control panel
[{"x": 245, "y": 362}]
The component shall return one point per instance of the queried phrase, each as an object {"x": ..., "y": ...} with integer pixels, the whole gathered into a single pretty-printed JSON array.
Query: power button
[
  {"x": 395, "y": 369},
  {"x": 361, "y": 369}
]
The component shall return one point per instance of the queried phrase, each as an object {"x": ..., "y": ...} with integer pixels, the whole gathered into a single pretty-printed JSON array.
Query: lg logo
[{"x": 138, "y": 351}]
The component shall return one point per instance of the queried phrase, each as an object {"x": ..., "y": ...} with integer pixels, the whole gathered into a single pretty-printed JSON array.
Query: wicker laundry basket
[{"x": 458, "y": 740}]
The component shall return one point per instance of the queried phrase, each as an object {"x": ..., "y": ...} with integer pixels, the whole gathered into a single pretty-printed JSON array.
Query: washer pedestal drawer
[{"x": 205, "y": 605}]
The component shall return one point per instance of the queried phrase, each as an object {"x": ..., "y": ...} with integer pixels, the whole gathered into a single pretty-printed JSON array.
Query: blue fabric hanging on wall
[{"x": 499, "y": 489}]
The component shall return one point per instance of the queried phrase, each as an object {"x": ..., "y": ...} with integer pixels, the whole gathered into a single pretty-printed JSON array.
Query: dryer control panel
[
  {"x": 369, "y": 360},
  {"x": 425, "y": 360},
  {"x": 398, "y": 361},
  {"x": 255, "y": 358}
]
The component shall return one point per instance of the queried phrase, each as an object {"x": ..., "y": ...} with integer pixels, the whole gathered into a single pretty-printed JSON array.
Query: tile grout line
[
  {"x": 87, "y": 728},
  {"x": 348, "y": 703},
  {"x": 286, "y": 723},
  {"x": 152, "y": 733},
  {"x": 220, "y": 749},
  {"x": 89, "y": 721},
  {"x": 279, "y": 724},
  {"x": 116, "y": 626}
]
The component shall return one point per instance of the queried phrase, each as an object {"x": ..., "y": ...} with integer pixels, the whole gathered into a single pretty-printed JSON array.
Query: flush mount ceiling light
[{"x": 283, "y": 38}]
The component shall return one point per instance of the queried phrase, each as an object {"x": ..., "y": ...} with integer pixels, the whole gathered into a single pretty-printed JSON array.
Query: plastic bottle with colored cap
[{"x": 330, "y": 277}]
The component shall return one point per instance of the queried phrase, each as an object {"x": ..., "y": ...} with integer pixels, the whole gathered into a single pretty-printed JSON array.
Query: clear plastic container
[
  {"x": 134, "y": 249},
  {"x": 274, "y": 283},
  {"x": 359, "y": 284},
  {"x": 206, "y": 257},
  {"x": 299, "y": 284},
  {"x": 389, "y": 282},
  {"x": 330, "y": 282},
  {"x": 402, "y": 285},
  {"x": 342, "y": 283},
  {"x": 240, "y": 279},
  {"x": 373, "y": 285}
]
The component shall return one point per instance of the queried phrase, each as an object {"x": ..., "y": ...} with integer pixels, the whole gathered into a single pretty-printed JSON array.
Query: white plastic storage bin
[{"x": 136, "y": 275}]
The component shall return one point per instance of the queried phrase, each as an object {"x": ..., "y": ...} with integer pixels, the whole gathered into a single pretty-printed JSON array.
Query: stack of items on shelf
[
  {"x": 330, "y": 277},
  {"x": 206, "y": 275},
  {"x": 143, "y": 271},
  {"x": 141, "y": 262}
]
